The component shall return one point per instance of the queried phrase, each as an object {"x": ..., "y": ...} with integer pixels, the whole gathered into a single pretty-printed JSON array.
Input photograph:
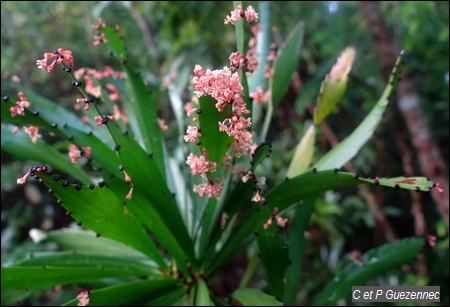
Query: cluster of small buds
[
  {"x": 33, "y": 132},
  {"x": 281, "y": 222},
  {"x": 95, "y": 90},
  {"x": 103, "y": 120},
  {"x": 248, "y": 63},
  {"x": 21, "y": 104},
  {"x": 200, "y": 165},
  {"x": 221, "y": 84},
  {"x": 76, "y": 152},
  {"x": 249, "y": 14},
  {"x": 83, "y": 298},
  {"x": 100, "y": 38},
  {"x": 211, "y": 188},
  {"x": 60, "y": 57},
  {"x": 192, "y": 134},
  {"x": 86, "y": 102},
  {"x": 260, "y": 96}
]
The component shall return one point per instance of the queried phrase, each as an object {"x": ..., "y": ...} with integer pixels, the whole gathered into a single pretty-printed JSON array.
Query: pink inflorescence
[
  {"x": 21, "y": 104},
  {"x": 249, "y": 14},
  {"x": 59, "y": 57}
]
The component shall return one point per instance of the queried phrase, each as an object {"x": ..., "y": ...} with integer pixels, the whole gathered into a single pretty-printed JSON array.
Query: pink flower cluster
[
  {"x": 33, "y": 132},
  {"x": 221, "y": 84},
  {"x": 76, "y": 152},
  {"x": 249, "y": 14},
  {"x": 200, "y": 165},
  {"x": 249, "y": 63},
  {"x": 211, "y": 188},
  {"x": 60, "y": 57},
  {"x": 21, "y": 104},
  {"x": 225, "y": 87},
  {"x": 281, "y": 222},
  {"x": 83, "y": 298}
]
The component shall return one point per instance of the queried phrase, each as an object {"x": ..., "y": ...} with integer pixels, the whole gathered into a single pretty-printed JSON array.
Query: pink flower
[
  {"x": 258, "y": 198},
  {"x": 250, "y": 14},
  {"x": 113, "y": 92},
  {"x": 249, "y": 63},
  {"x": 74, "y": 153},
  {"x": 192, "y": 134},
  {"x": 130, "y": 193},
  {"x": 21, "y": 104},
  {"x": 221, "y": 84},
  {"x": 235, "y": 15},
  {"x": 259, "y": 96},
  {"x": 213, "y": 189},
  {"x": 33, "y": 132},
  {"x": 15, "y": 79},
  {"x": 83, "y": 298},
  {"x": 127, "y": 177},
  {"x": 61, "y": 57},
  {"x": 162, "y": 124},
  {"x": 23, "y": 179},
  {"x": 200, "y": 165},
  {"x": 281, "y": 222},
  {"x": 102, "y": 120}
]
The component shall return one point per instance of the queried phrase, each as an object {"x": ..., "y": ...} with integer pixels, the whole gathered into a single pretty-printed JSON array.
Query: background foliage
[{"x": 183, "y": 34}]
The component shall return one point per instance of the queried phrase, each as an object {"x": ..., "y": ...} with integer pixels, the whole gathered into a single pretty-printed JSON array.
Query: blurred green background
[{"x": 162, "y": 36}]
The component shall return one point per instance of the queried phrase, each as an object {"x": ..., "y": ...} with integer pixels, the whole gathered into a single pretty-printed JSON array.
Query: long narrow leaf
[
  {"x": 350, "y": 146},
  {"x": 136, "y": 293},
  {"x": 100, "y": 210},
  {"x": 29, "y": 278}
]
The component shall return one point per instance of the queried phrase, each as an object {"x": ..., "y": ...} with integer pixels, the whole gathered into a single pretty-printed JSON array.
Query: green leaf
[
  {"x": 13, "y": 297},
  {"x": 407, "y": 183},
  {"x": 289, "y": 191},
  {"x": 349, "y": 147},
  {"x": 274, "y": 255},
  {"x": 140, "y": 108},
  {"x": 304, "y": 153},
  {"x": 175, "y": 298},
  {"x": 375, "y": 262},
  {"x": 141, "y": 111},
  {"x": 100, "y": 210},
  {"x": 146, "y": 179},
  {"x": 115, "y": 41},
  {"x": 30, "y": 278},
  {"x": 84, "y": 241},
  {"x": 20, "y": 145},
  {"x": 285, "y": 64},
  {"x": 202, "y": 294},
  {"x": 216, "y": 142},
  {"x": 300, "y": 222},
  {"x": 135, "y": 293},
  {"x": 49, "y": 110},
  {"x": 254, "y": 297},
  {"x": 86, "y": 259},
  {"x": 261, "y": 152},
  {"x": 239, "y": 30},
  {"x": 333, "y": 86},
  {"x": 257, "y": 78}
]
